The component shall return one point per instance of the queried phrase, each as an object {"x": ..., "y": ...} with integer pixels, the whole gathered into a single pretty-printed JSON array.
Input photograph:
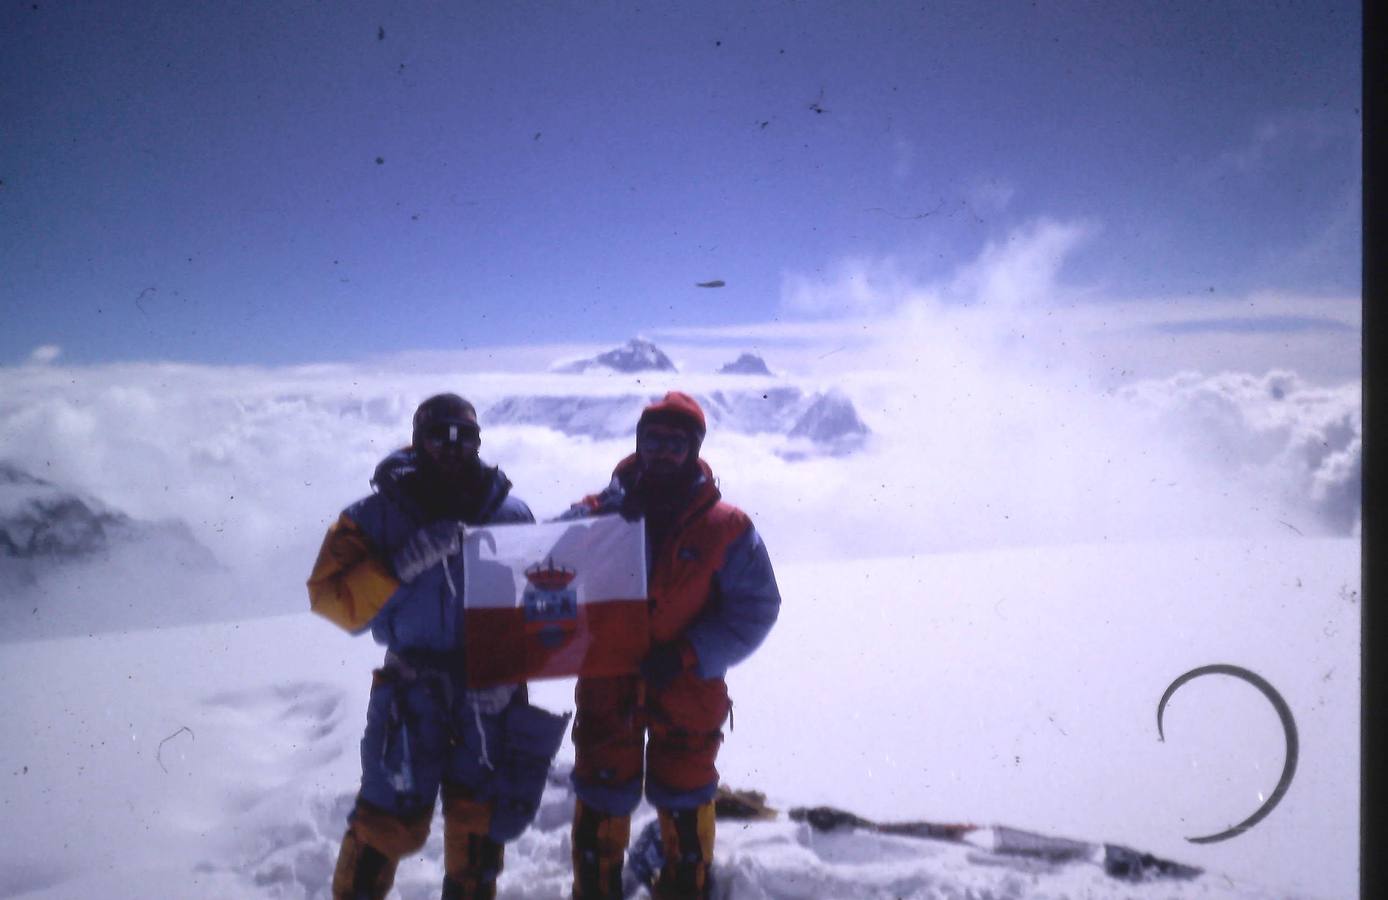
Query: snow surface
[
  {"x": 219, "y": 760},
  {"x": 983, "y": 604}
]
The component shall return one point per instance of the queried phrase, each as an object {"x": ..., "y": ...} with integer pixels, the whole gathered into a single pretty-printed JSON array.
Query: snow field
[{"x": 1003, "y": 687}]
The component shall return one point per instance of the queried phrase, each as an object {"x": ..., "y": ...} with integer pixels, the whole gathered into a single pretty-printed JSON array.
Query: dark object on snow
[
  {"x": 746, "y": 805},
  {"x": 1016, "y": 842},
  {"x": 827, "y": 818},
  {"x": 1128, "y": 864},
  {"x": 1284, "y": 713},
  {"x": 717, "y": 282}
]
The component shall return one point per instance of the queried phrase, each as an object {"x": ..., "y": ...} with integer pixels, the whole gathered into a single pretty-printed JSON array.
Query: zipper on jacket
[{"x": 670, "y": 550}]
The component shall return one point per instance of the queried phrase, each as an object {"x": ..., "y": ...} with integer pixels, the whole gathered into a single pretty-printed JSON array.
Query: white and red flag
[{"x": 554, "y": 599}]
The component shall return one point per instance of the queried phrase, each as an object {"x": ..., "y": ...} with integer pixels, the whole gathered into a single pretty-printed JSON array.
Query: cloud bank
[
  {"x": 44, "y": 354},
  {"x": 1003, "y": 409}
]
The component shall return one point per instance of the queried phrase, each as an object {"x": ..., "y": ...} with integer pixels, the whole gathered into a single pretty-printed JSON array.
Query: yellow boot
[
  {"x": 599, "y": 848},
  {"x": 471, "y": 859},
  {"x": 363, "y": 872},
  {"x": 686, "y": 836},
  {"x": 375, "y": 843}
]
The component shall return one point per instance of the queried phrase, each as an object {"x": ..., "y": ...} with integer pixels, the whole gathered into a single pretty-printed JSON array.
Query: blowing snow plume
[{"x": 1000, "y": 417}]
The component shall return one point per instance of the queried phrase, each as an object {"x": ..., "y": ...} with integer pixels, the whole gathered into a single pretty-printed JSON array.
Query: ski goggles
[
  {"x": 676, "y": 444},
  {"x": 461, "y": 433}
]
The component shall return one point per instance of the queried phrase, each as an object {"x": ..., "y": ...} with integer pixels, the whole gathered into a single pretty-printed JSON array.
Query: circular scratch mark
[
  {"x": 160, "y": 749},
  {"x": 1284, "y": 713}
]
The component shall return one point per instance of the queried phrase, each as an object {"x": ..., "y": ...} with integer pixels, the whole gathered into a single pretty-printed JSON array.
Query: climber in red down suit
[{"x": 713, "y": 599}]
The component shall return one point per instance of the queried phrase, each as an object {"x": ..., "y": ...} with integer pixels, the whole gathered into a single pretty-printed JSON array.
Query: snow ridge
[
  {"x": 636, "y": 355},
  {"x": 815, "y": 423}
]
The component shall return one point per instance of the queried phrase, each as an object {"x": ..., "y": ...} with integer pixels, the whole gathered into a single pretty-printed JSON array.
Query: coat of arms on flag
[{"x": 554, "y": 599}]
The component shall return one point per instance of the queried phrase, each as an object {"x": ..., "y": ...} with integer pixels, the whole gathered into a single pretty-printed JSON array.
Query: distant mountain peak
[
  {"x": 746, "y": 364},
  {"x": 831, "y": 425},
  {"x": 40, "y": 520},
  {"x": 636, "y": 355}
]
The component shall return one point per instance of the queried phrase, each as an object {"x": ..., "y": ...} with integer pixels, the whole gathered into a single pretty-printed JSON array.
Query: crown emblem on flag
[{"x": 549, "y": 578}]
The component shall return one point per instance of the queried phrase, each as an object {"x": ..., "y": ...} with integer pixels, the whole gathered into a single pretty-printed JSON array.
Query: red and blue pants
[{"x": 627, "y": 733}]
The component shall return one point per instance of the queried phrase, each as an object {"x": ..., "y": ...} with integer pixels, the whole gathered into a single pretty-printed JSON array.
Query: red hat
[{"x": 676, "y": 409}]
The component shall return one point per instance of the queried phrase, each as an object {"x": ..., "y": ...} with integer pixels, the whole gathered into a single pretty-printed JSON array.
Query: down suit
[
  {"x": 489, "y": 751},
  {"x": 713, "y": 595}
]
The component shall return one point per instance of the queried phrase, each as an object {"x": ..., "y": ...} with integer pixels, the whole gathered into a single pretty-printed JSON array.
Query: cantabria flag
[{"x": 554, "y": 599}]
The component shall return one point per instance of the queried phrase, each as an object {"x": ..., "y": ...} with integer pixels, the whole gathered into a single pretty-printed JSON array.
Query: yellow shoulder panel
[{"x": 349, "y": 584}]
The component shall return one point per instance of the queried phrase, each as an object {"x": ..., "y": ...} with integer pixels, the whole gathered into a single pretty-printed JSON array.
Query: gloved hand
[
  {"x": 426, "y": 547},
  {"x": 665, "y": 662},
  {"x": 632, "y": 507}
]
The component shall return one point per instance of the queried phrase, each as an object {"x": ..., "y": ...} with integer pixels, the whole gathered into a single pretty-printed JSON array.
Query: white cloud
[
  {"x": 1276, "y": 139},
  {"x": 854, "y": 286},
  {"x": 1021, "y": 270},
  {"x": 1302, "y": 445},
  {"x": 1013, "y": 295},
  {"x": 44, "y": 354}
]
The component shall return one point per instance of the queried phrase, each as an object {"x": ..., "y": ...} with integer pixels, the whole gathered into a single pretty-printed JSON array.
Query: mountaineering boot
[
  {"x": 477, "y": 879},
  {"x": 686, "y": 836},
  {"x": 363, "y": 872},
  {"x": 471, "y": 859},
  {"x": 599, "y": 845}
]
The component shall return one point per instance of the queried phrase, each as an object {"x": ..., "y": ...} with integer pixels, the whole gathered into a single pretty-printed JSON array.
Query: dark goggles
[
  {"x": 668, "y": 443},
  {"x": 462, "y": 434}
]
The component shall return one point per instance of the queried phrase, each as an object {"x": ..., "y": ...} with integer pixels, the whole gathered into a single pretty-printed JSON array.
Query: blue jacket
[{"x": 354, "y": 585}]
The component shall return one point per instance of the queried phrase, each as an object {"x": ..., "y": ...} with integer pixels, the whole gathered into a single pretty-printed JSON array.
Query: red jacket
[{"x": 710, "y": 581}]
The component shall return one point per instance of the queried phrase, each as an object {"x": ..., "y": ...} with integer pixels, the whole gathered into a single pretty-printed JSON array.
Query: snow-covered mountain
[
  {"x": 824, "y": 423},
  {"x": 37, "y": 519},
  {"x": 746, "y": 364},
  {"x": 813, "y": 422},
  {"x": 636, "y": 355},
  {"x": 576, "y": 415},
  {"x": 771, "y": 409},
  {"x": 830, "y": 425},
  {"x": 41, "y": 521},
  {"x": 57, "y": 546}
]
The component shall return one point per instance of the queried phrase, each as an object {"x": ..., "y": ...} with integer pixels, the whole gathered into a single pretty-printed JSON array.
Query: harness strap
[
  {"x": 481, "y": 733},
  {"x": 438, "y": 679}
]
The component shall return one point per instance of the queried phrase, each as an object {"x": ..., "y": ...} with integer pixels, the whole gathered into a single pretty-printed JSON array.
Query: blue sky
[{"x": 304, "y": 181}]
